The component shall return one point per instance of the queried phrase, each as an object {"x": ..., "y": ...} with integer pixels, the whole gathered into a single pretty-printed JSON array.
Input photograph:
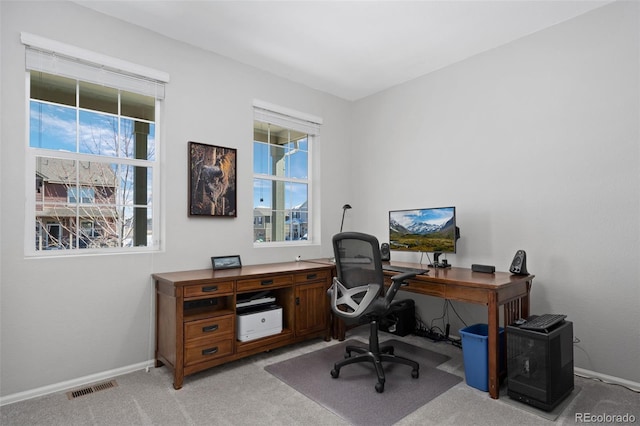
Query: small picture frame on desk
[{"x": 226, "y": 262}]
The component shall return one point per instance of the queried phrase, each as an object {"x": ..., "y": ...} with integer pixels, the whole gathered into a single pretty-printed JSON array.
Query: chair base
[{"x": 375, "y": 355}]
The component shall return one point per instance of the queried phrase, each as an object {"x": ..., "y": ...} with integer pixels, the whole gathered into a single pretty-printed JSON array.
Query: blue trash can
[{"x": 475, "y": 353}]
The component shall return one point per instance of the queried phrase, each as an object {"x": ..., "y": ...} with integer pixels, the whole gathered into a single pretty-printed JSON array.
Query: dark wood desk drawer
[
  {"x": 207, "y": 350},
  {"x": 466, "y": 294},
  {"x": 264, "y": 283},
  {"x": 209, "y": 328},
  {"x": 208, "y": 289},
  {"x": 421, "y": 287},
  {"x": 311, "y": 276}
]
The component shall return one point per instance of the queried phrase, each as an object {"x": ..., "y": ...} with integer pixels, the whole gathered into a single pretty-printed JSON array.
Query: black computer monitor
[{"x": 428, "y": 230}]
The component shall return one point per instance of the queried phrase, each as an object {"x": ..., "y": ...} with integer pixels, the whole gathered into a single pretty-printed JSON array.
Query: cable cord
[
  {"x": 445, "y": 313},
  {"x": 456, "y": 312},
  {"x": 598, "y": 379},
  {"x": 434, "y": 333}
]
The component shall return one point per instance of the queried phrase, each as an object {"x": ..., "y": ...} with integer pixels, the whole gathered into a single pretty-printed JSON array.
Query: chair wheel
[
  {"x": 415, "y": 374},
  {"x": 379, "y": 387},
  {"x": 335, "y": 373}
]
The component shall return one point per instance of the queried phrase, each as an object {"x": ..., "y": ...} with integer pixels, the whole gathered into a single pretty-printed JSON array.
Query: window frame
[
  {"x": 300, "y": 122},
  {"x": 138, "y": 80}
]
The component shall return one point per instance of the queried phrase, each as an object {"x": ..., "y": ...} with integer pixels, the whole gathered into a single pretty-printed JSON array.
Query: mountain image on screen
[{"x": 423, "y": 230}]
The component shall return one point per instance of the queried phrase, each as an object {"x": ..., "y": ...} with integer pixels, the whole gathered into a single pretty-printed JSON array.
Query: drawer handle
[
  {"x": 210, "y": 328},
  {"x": 210, "y": 351},
  {"x": 209, "y": 288},
  {"x": 311, "y": 276},
  {"x": 266, "y": 282}
]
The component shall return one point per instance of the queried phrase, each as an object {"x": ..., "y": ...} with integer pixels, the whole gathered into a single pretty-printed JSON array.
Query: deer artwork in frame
[{"x": 212, "y": 180}]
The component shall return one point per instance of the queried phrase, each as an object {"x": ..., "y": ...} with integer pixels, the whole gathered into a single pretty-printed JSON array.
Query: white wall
[
  {"x": 68, "y": 318},
  {"x": 537, "y": 145}
]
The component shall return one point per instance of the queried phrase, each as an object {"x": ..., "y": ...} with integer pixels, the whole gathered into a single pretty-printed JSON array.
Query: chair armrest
[
  {"x": 396, "y": 282},
  {"x": 341, "y": 295}
]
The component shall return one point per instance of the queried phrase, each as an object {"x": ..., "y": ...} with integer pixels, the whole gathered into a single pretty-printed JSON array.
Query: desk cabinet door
[{"x": 312, "y": 307}]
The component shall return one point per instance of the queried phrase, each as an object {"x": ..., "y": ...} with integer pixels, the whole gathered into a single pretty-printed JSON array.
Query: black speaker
[
  {"x": 385, "y": 252},
  {"x": 487, "y": 269},
  {"x": 519, "y": 263}
]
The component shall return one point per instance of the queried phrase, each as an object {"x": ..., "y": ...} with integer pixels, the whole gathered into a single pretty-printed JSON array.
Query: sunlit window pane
[
  {"x": 296, "y": 195},
  {"x": 98, "y": 133},
  {"x": 137, "y": 139},
  {"x": 262, "y": 193},
  {"x": 298, "y": 165},
  {"x": 261, "y": 158},
  {"x": 52, "y": 127}
]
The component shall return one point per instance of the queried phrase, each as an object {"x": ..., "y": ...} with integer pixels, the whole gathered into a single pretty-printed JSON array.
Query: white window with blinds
[
  {"x": 283, "y": 144},
  {"x": 92, "y": 151}
]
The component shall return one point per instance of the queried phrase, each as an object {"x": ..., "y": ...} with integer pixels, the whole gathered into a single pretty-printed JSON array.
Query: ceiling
[{"x": 350, "y": 49}]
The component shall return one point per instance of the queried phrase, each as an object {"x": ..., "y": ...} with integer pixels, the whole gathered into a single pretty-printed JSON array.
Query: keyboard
[
  {"x": 543, "y": 322},
  {"x": 403, "y": 269}
]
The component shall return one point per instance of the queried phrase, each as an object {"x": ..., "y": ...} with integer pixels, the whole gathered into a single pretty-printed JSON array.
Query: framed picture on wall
[{"x": 212, "y": 180}]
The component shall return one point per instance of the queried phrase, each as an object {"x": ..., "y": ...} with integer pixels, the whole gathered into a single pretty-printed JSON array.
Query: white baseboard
[
  {"x": 606, "y": 378},
  {"x": 70, "y": 384}
]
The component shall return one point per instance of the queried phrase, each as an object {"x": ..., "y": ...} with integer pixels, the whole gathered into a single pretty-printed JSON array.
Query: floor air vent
[{"x": 91, "y": 389}]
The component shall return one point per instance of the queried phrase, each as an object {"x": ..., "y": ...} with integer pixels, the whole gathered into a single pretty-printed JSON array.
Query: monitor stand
[{"x": 437, "y": 264}]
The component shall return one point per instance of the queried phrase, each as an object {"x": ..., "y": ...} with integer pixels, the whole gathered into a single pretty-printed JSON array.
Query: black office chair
[{"x": 358, "y": 292}]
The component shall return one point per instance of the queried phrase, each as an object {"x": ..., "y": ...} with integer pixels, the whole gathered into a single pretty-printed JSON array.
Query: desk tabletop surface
[
  {"x": 450, "y": 276},
  {"x": 464, "y": 276},
  {"x": 244, "y": 271}
]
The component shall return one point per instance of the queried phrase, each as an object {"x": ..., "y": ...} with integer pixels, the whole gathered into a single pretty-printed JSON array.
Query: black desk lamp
[{"x": 344, "y": 210}]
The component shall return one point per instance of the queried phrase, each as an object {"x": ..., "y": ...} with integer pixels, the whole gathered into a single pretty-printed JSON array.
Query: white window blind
[
  {"x": 288, "y": 118},
  {"x": 62, "y": 59}
]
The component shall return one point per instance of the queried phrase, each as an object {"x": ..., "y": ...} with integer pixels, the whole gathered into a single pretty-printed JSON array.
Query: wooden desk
[
  {"x": 464, "y": 285},
  {"x": 196, "y": 314}
]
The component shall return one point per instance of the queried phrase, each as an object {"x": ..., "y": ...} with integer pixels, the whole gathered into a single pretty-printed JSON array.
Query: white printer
[{"x": 257, "y": 317}]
